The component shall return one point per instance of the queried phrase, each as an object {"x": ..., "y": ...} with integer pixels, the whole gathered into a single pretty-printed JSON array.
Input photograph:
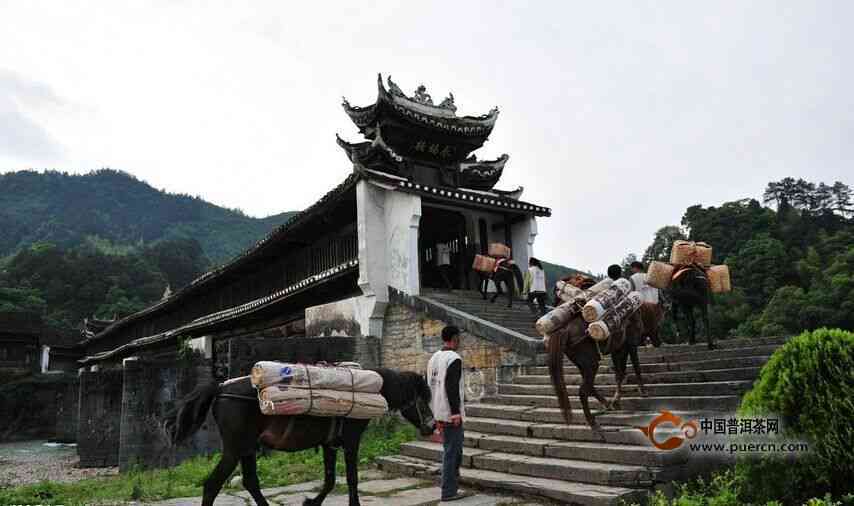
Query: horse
[
  {"x": 647, "y": 324},
  {"x": 574, "y": 342},
  {"x": 510, "y": 276},
  {"x": 689, "y": 289},
  {"x": 242, "y": 426}
]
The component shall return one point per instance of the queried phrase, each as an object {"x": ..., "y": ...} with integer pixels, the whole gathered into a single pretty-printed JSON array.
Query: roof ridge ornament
[
  {"x": 448, "y": 103},
  {"x": 421, "y": 96}
]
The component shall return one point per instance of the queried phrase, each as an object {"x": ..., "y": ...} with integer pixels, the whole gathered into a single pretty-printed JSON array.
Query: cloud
[{"x": 22, "y": 138}]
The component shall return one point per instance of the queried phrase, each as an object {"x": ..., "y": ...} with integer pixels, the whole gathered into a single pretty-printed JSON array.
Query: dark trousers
[
  {"x": 540, "y": 297},
  {"x": 447, "y": 273},
  {"x": 452, "y": 457}
]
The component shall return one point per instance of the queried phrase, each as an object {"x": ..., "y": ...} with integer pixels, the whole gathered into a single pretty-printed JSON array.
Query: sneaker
[{"x": 457, "y": 497}]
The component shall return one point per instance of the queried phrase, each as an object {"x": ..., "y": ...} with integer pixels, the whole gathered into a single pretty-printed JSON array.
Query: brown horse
[{"x": 574, "y": 342}]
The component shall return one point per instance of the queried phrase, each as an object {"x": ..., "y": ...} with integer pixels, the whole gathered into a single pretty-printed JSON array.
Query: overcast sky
[{"x": 617, "y": 115}]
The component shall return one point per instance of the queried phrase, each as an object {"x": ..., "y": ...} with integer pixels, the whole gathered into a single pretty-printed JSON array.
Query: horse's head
[{"x": 416, "y": 402}]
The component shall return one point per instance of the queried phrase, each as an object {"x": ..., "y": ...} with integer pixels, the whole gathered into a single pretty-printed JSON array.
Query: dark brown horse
[
  {"x": 688, "y": 290},
  {"x": 573, "y": 342},
  {"x": 510, "y": 277},
  {"x": 242, "y": 427}
]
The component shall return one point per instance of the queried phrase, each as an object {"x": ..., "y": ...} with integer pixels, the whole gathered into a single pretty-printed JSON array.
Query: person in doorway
[
  {"x": 444, "y": 372},
  {"x": 537, "y": 288},
  {"x": 443, "y": 263}
]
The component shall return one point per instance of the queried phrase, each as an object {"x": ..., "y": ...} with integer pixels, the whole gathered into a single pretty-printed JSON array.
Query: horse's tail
[
  {"x": 555, "y": 362},
  {"x": 189, "y": 413}
]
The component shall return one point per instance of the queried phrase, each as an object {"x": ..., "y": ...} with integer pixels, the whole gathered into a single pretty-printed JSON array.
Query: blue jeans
[{"x": 451, "y": 459}]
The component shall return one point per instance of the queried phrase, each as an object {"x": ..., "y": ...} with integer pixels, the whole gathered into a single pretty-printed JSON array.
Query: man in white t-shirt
[
  {"x": 638, "y": 280},
  {"x": 445, "y": 374}
]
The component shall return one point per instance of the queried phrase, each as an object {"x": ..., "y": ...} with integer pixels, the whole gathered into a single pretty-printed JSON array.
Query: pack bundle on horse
[
  {"x": 242, "y": 426},
  {"x": 499, "y": 268},
  {"x": 567, "y": 334},
  {"x": 689, "y": 280}
]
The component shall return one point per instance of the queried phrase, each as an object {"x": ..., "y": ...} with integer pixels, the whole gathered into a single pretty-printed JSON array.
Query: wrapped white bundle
[
  {"x": 284, "y": 400},
  {"x": 567, "y": 292},
  {"x": 613, "y": 319},
  {"x": 600, "y": 286},
  {"x": 346, "y": 379},
  {"x": 557, "y": 318},
  {"x": 602, "y": 302}
]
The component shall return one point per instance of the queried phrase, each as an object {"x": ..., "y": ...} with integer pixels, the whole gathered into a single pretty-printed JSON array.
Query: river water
[{"x": 33, "y": 461}]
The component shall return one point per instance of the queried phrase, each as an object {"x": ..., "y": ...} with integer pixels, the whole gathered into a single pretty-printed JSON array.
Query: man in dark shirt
[{"x": 444, "y": 372}]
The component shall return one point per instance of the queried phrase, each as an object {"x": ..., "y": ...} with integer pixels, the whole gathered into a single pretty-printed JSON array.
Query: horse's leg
[
  {"x": 215, "y": 480},
  {"x": 249, "y": 467},
  {"x": 351, "y": 459},
  {"x": 329, "y": 457},
  {"x": 692, "y": 325},
  {"x": 710, "y": 340},
  {"x": 633, "y": 353},
  {"x": 511, "y": 288},
  {"x": 497, "y": 281},
  {"x": 674, "y": 308},
  {"x": 619, "y": 360},
  {"x": 588, "y": 387},
  {"x": 482, "y": 285}
]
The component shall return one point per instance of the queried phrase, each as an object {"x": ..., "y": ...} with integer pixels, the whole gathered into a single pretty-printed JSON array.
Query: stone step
[
  {"x": 700, "y": 354},
  {"x": 553, "y": 415},
  {"x": 742, "y": 373},
  {"x": 565, "y": 492},
  {"x": 653, "y": 390},
  {"x": 540, "y": 467},
  {"x": 573, "y": 450},
  {"x": 578, "y": 431},
  {"x": 699, "y": 365},
  {"x": 710, "y": 403}
]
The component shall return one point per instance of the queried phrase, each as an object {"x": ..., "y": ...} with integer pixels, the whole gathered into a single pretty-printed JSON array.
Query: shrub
[{"x": 809, "y": 384}]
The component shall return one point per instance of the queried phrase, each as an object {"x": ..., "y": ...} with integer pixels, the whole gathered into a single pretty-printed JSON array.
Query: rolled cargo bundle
[
  {"x": 703, "y": 254},
  {"x": 286, "y": 400},
  {"x": 719, "y": 280},
  {"x": 483, "y": 263},
  {"x": 659, "y": 274},
  {"x": 600, "y": 286},
  {"x": 613, "y": 320},
  {"x": 683, "y": 252},
  {"x": 498, "y": 250},
  {"x": 267, "y": 373},
  {"x": 557, "y": 318},
  {"x": 602, "y": 302},
  {"x": 567, "y": 292}
]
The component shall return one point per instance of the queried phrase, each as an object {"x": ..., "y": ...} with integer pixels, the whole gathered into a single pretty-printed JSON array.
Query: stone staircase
[{"x": 516, "y": 440}]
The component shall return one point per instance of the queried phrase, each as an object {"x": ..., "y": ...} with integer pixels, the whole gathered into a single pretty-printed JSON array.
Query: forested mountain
[
  {"x": 115, "y": 208},
  {"x": 792, "y": 264},
  {"x": 106, "y": 244}
]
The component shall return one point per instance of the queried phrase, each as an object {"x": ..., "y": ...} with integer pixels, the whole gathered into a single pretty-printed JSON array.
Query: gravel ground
[{"x": 32, "y": 461}]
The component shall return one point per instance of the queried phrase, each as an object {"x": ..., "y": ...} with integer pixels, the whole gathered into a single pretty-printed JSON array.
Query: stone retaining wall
[
  {"x": 100, "y": 408},
  {"x": 410, "y": 338}
]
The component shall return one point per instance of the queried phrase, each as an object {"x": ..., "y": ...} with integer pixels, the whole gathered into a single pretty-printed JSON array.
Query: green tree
[
  {"x": 760, "y": 268},
  {"x": 662, "y": 242}
]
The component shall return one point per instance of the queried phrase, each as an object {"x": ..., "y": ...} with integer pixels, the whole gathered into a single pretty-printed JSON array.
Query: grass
[{"x": 383, "y": 437}]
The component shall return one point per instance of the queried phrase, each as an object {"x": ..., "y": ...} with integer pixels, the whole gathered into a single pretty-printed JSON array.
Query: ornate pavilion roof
[{"x": 410, "y": 136}]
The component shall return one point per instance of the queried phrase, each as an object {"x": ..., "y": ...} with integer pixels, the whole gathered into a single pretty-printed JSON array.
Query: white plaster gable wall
[
  {"x": 371, "y": 232},
  {"x": 523, "y": 234},
  {"x": 402, "y": 218}
]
